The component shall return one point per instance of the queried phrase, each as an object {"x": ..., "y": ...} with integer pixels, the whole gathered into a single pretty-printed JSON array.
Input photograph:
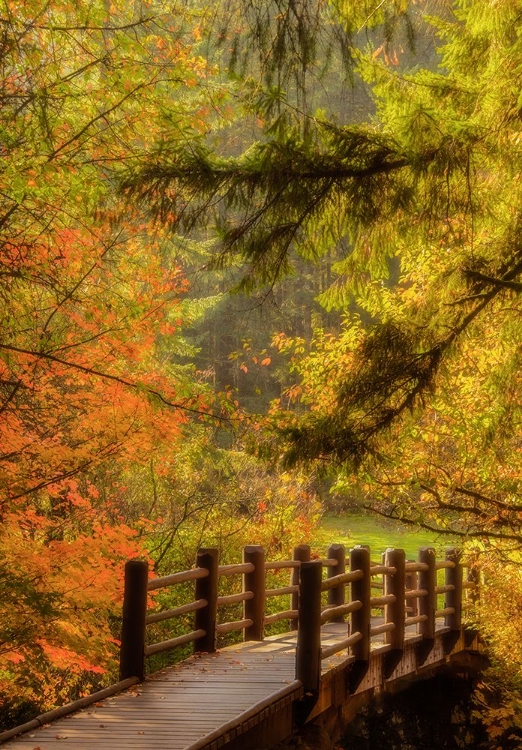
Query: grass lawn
[{"x": 351, "y": 529}]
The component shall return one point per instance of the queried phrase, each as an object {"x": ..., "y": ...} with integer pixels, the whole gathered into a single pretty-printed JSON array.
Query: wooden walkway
[
  {"x": 181, "y": 707},
  {"x": 209, "y": 700},
  {"x": 405, "y": 623}
]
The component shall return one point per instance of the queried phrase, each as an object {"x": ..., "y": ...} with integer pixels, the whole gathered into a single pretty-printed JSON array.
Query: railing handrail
[
  {"x": 182, "y": 577},
  {"x": 410, "y": 592}
]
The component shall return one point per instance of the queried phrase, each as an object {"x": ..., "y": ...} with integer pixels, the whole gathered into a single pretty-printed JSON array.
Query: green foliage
[
  {"x": 203, "y": 495},
  {"x": 351, "y": 528},
  {"x": 424, "y": 199},
  {"x": 432, "y": 178}
]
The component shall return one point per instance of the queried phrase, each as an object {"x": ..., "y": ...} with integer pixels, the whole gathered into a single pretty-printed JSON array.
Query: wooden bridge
[{"x": 355, "y": 627}]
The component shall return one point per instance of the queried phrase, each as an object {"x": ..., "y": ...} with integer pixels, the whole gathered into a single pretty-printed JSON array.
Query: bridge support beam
[
  {"x": 394, "y": 584},
  {"x": 427, "y": 603},
  {"x": 454, "y": 598},
  {"x": 395, "y": 611},
  {"x": 361, "y": 591}
]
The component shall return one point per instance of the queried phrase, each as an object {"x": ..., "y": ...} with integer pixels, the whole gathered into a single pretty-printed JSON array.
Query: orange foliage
[{"x": 86, "y": 301}]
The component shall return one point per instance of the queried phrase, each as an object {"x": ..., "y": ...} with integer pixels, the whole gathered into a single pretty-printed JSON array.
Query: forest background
[{"x": 257, "y": 259}]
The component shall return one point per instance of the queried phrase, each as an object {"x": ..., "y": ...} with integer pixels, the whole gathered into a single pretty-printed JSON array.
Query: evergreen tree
[{"x": 426, "y": 191}]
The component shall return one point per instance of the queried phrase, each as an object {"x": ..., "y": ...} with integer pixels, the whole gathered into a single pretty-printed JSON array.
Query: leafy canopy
[{"x": 424, "y": 195}]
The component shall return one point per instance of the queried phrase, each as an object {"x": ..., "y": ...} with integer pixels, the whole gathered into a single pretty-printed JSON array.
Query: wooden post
[
  {"x": 132, "y": 649},
  {"x": 454, "y": 598},
  {"x": 361, "y": 590},
  {"x": 412, "y": 584},
  {"x": 207, "y": 588},
  {"x": 336, "y": 596},
  {"x": 302, "y": 554},
  {"x": 394, "y": 583},
  {"x": 254, "y": 609},
  {"x": 308, "y": 651},
  {"x": 428, "y": 581}
]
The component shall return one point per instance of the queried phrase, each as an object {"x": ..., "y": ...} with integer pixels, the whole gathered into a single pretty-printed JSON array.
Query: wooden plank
[{"x": 193, "y": 703}]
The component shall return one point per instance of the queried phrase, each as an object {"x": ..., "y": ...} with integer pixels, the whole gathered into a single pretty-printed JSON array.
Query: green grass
[{"x": 351, "y": 529}]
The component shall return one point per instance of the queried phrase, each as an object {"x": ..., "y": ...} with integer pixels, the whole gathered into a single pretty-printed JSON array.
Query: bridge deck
[{"x": 191, "y": 704}]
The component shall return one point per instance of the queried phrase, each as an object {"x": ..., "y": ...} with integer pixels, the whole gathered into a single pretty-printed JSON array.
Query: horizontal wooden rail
[
  {"x": 232, "y": 570},
  {"x": 376, "y": 570},
  {"x": 332, "y": 613},
  {"x": 289, "y": 614},
  {"x": 167, "y": 614},
  {"x": 380, "y": 601},
  {"x": 243, "y": 596},
  {"x": 228, "y": 627},
  {"x": 282, "y": 564},
  {"x": 415, "y": 620},
  {"x": 329, "y": 562},
  {"x": 342, "y": 578},
  {"x": 445, "y": 611},
  {"x": 415, "y": 567},
  {"x": 336, "y": 648},
  {"x": 444, "y": 589},
  {"x": 281, "y": 591},
  {"x": 415, "y": 593},
  {"x": 181, "y": 640},
  {"x": 386, "y": 627},
  {"x": 441, "y": 564},
  {"x": 183, "y": 577}
]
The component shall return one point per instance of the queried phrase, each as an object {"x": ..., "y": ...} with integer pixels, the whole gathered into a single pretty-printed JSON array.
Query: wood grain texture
[{"x": 186, "y": 706}]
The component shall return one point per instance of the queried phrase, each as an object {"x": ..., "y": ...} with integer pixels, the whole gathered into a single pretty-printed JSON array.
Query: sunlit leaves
[{"x": 86, "y": 300}]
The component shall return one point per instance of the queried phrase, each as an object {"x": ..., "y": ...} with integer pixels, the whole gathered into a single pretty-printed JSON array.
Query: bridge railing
[
  {"x": 403, "y": 584},
  {"x": 406, "y": 595}
]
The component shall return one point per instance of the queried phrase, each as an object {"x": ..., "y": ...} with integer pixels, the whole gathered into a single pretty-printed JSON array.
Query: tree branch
[
  {"x": 108, "y": 376},
  {"x": 140, "y": 22}
]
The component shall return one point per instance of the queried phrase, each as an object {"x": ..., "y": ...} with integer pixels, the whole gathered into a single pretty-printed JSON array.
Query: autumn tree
[{"x": 87, "y": 300}]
